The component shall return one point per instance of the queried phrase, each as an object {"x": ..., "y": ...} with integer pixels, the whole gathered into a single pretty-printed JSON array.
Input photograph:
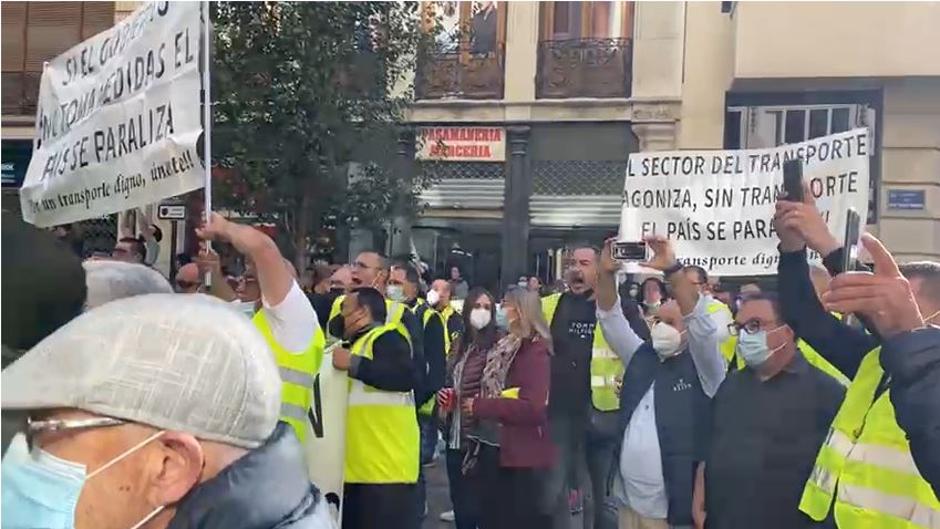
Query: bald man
[
  {"x": 440, "y": 301},
  {"x": 188, "y": 279}
]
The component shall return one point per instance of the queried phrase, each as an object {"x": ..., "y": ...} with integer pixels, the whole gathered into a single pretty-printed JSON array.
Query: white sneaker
[{"x": 447, "y": 516}]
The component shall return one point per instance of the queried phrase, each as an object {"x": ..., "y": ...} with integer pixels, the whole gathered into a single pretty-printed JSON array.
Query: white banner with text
[
  {"x": 118, "y": 119},
  {"x": 717, "y": 206}
]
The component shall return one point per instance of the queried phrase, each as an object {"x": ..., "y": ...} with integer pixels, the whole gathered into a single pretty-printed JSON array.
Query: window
[
  {"x": 476, "y": 26},
  {"x": 750, "y": 123},
  {"x": 586, "y": 20},
  {"x": 756, "y": 127}
]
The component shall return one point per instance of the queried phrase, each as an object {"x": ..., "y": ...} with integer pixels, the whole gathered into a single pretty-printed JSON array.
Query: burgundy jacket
[{"x": 524, "y": 439}]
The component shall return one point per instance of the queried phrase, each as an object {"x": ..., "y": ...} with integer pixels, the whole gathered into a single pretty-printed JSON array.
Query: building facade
[{"x": 577, "y": 86}]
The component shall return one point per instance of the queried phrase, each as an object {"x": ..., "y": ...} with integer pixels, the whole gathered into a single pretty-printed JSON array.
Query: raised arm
[
  {"x": 618, "y": 333},
  {"x": 274, "y": 277},
  {"x": 703, "y": 333}
]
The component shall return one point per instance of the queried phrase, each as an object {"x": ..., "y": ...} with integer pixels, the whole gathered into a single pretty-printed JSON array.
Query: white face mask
[
  {"x": 667, "y": 341},
  {"x": 480, "y": 318},
  {"x": 433, "y": 297}
]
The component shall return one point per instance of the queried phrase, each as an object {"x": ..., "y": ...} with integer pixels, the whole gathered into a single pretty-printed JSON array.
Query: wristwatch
[{"x": 673, "y": 269}]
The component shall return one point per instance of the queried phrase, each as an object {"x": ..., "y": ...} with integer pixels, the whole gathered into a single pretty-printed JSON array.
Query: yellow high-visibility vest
[
  {"x": 298, "y": 373},
  {"x": 865, "y": 468},
  {"x": 606, "y": 367},
  {"x": 382, "y": 439},
  {"x": 728, "y": 346},
  {"x": 427, "y": 408}
]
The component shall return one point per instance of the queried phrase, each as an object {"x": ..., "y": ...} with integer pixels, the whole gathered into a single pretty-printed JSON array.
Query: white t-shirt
[{"x": 293, "y": 321}]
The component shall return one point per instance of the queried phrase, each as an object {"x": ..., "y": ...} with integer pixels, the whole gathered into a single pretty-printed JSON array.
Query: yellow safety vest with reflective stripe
[
  {"x": 298, "y": 373},
  {"x": 445, "y": 317},
  {"x": 606, "y": 367},
  {"x": 728, "y": 346},
  {"x": 382, "y": 437},
  {"x": 427, "y": 408},
  {"x": 865, "y": 467}
]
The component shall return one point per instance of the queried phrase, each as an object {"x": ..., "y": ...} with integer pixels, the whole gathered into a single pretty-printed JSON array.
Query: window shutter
[
  {"x": 13, "y": 17},
  {"x": 98, "y": 17},
  {"x": 53, "y": 28}
]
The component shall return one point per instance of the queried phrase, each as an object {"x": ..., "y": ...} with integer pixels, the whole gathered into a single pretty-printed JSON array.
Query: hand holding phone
[
  {"x": 793, "y": 180},
  {"x": 850, "y": 242},
  {"x": 629, "y": 251}
]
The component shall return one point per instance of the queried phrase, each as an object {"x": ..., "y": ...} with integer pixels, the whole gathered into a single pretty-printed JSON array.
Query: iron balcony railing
[
  {"x": 460, "y": 74},
  {"x": 584, "y": 68}
]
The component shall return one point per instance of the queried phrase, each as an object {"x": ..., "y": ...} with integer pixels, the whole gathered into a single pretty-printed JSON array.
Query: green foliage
[{"x": 303, "y": 88}]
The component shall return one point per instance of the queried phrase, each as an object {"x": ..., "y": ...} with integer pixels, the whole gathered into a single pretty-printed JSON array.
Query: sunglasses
[{"x": 186, "y": 285}]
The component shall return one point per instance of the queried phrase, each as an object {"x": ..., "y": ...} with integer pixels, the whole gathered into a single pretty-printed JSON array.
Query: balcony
[
  {"x": 460, "y": 74},
  {"x": 584, "y": 68}
]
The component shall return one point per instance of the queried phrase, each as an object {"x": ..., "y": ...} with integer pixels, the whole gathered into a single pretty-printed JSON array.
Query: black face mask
[
  {"x": 337, "y": 325},
  {"x": 335, "y": 292}
]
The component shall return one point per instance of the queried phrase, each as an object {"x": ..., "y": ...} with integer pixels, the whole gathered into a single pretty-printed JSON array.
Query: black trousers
[
  {"x": 379, "y": 506},
  {"x": 510, "y": 498},
  {"x": 462, "y": 492}
]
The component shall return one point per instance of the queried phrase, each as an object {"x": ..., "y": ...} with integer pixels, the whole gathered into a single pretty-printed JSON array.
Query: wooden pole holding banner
[{"x": 207, "y": 124}]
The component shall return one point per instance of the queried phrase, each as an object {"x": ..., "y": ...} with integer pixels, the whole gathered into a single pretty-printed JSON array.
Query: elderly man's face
[
  {"x": 130, "y": 470},
  {"x": 442, "y": 288},
  {"x": 341, "y": 279},
  {"x": 248, "y": 288},
  {"x": 125, "y": 251},
  {"x": 188, "y": 280}
]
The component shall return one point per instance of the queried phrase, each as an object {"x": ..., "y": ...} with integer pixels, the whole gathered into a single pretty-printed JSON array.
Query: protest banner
[
  {"x": 717, "y": 206},
  {"x": 326, "y": 442},
  {"x": 118, "y": 119}
]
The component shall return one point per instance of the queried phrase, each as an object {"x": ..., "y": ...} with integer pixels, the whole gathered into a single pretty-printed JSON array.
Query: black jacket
[
  {"x": 912, "y": 360},
  {"x": 843, "y": 346},
  {"x": 268, "y": 488}
]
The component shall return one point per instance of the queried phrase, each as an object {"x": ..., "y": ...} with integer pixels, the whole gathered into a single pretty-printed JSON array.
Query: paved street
[{"x": 438, "y": 496}]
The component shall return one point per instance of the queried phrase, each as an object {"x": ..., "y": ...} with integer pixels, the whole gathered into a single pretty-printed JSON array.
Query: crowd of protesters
[{"x": 600, "y": 402}]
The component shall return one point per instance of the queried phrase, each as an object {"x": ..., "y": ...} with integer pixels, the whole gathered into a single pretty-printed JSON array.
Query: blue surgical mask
[
  {"x": 42, "y": 490},
  {"x": 395, "y": 293},
  {"x": 753, "y": 348},
  {"x": 502, "y": 320}
]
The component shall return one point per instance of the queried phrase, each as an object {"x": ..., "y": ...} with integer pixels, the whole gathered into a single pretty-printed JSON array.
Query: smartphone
[
  {"x": 793, "y": 180},
  {"x": 629, "y": 251},
  {"x": 850, "y": 243}
]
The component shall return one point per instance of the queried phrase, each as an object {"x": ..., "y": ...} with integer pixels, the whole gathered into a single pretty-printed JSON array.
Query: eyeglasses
[
  {"x": 186, "y": 285},
  {"x": 751, "y": 326},
  {"x": 36, "y": 427}
]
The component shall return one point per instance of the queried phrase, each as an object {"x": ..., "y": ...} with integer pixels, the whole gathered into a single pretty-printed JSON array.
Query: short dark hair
[
  {"x": 383, "y": 259},
  {"x": 373, "y": 301},
  {"x": 411, "y": 274},
  {"x": 700, "y": 272},
  {"x": 43, "y": 284},
  {"x": 138, "y": 246},
  {"x": 929, "y": 273},
  {"x": 770, "y": 297},
  {"x": 581, "y": 245}
]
